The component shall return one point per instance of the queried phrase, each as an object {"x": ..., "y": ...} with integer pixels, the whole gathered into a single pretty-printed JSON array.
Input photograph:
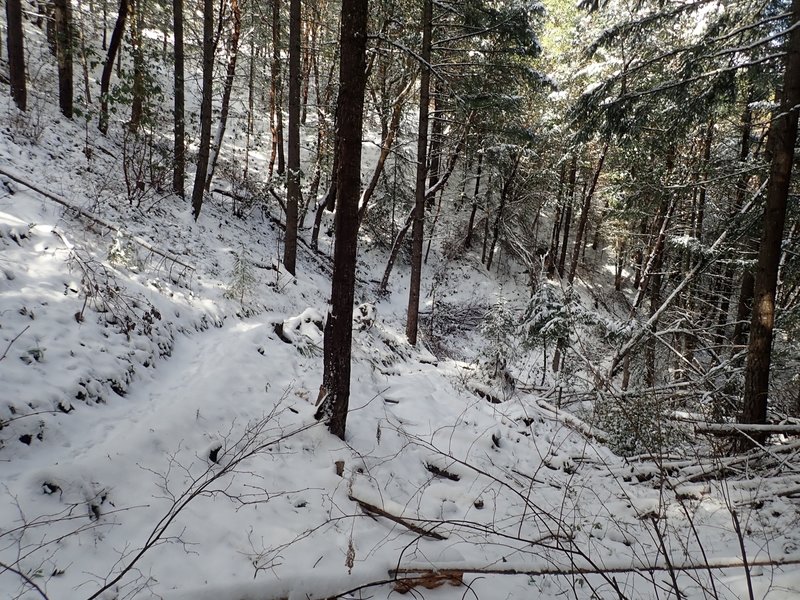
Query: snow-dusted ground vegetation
[{"x": 158, "y": 382}]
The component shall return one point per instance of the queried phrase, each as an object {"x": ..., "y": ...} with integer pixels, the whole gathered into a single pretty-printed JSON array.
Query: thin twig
[{"x": 11, "y": 343}]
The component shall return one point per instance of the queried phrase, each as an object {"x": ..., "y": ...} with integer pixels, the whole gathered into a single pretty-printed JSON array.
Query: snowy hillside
[{"x": 159, "y": 378}]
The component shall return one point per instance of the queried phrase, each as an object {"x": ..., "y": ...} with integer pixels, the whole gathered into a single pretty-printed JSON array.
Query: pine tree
[{"x": 335, "y": 392}]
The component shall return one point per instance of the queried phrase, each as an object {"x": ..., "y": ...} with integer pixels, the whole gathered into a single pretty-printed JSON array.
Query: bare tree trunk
[
  {"x": 398, "y": 242},
  {"x": 418, "y": 226},
  {"x": 16, "y": 54},
  {"x": 137, "y": 52},
  {"x": 276, "y": 92},
  {"x": 310, "y": 39},
  {"x": 63, "y": 31},
  {"x": 746, "y": 293},
  {"x": 233, "y": 54},
  {"x": 335, "y": 391},
  {"x": 569, "y": 200},
  {"x": 471, "y": 224},
  {"x": 205, "y": 108},
  {"x": 783, "y": 137},
  {"x": 386, "y": 147},
  {"x": 587, "y": 202},
  {"x": 555, "y": 237},
  {"x": 505, "y": 192},
  {"x": 293, "y": 198},
  {"x": 108, "y": 67},
  {"x": 179, "y": 144}
]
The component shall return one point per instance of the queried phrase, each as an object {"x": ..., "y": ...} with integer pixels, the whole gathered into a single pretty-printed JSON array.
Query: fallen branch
[
  {"x": 551, "y": 569},
  {"x": 375, "y": 510},
  {"x": 93, "y": 217},
  {"x": 742, "y": 428},
  {"x": 573, "y": 422},
  {"x": 11, "y": 343}
]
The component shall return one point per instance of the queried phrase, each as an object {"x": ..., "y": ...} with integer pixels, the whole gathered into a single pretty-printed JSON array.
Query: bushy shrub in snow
[
  {"x": 636, "y": 424},
  {"x": 242, "y": 279}
]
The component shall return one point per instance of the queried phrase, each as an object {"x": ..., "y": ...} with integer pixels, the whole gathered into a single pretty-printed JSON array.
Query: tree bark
[
  {"x": 16, "y": 54},
  {"x": 226, "y": 91},
  {"x": 63, "y": 24},
  {"x": 555, "y": 236},
  {"x": 276, "y": 92},
  {"x": 108, "y": 67},
  {"x": 418, "y": 226},
  {"x": 471, "y": 224},
  {"x": 137, "y": 101},
  {"x": 350, "y": 112},
  {"x": 205, "y": 108},
  {"x": 293, "y": 172},
  {"x": 783, "y": 139},
  {"x": 179, "y": 166},
  {"x": 505, "y": 192},
  {"x": 386, "y": 147},
  {"x": 587, "y": 202},
  {"x": 573, "y": 171}
]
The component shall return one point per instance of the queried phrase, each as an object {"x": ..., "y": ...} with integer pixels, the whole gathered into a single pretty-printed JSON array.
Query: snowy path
[
  {"x": 285, "y": 517},
  {"x": 112, "y": 457}
]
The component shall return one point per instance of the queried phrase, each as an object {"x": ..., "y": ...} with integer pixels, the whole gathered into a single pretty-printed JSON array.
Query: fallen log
[
  {"x": 14, "y": 176},
  {"x": 745, "y": 428},
  {"x": 553, "y": 569},
  {"x": 375, "y": 510}
]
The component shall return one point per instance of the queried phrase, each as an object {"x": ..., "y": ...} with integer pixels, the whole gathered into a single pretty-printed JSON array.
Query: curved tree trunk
[
  {"x": 226, "y": 91},
  {"x": 579, "y": 241},
  {"x": 137, "y": 101},
  {"x": 205, "y": 108},
  {"x": 276, "y": 92},
  {"x": 567, "y": 212},
  {"x": 471, "y": 224}
]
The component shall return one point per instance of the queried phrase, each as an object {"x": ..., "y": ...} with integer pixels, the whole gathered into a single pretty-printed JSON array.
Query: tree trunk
[
  {"x": 579, "y": 242},
  {"x": 179, "y": 166},
  {"x": 293, "y": 173},
  {"x": 137, "y": 53},
  {"x": 471, "y": 224},
  {"x": 386, "y": 147},
  {"x": 573, "y": 171},
  {"x": 108, "y": 67},
  {"x": 251, "y": 76},
  {"x": 743, "y": 310},
  {"x": 205, "y": 108},
  {"x": 398, "y": 242},
  {"x": 233, "y": 50},
  {"x": 783, "y": 138},
  {"x": 555, "y": 236},
  {"x": 276, "y": 92},
  {"x": 418, "y": 226},
  {"x": 63, "y": 31},
  {"x": 16, "y": 54},
  {"x": 505, "y": 192},
  {"x": 350, "y": 111}
]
